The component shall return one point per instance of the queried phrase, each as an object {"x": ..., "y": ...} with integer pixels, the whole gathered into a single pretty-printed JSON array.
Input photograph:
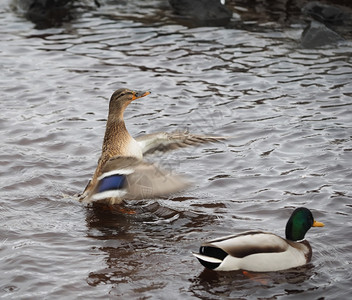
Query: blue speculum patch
[{"x": 113, "y": 182}]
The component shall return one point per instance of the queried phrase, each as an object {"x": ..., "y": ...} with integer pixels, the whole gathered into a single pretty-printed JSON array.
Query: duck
[
  {"x": 260, "y": 251},
  {"x": 122, "y": 173}
]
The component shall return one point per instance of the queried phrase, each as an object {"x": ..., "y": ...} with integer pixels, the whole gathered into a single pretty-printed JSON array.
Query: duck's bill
[
  {"x": 140, "y": 94},
  {"x": 318, "y": 224}
]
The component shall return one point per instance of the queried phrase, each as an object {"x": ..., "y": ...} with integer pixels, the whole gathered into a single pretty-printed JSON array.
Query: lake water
[{"x": 287, "y": 110}]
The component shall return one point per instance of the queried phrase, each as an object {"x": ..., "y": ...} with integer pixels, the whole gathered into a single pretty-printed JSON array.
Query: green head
[{"x": 299, "y": 223}]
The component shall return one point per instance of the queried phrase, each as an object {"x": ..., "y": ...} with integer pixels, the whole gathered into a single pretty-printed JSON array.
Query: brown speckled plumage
[{"x": 118, "y": 143}]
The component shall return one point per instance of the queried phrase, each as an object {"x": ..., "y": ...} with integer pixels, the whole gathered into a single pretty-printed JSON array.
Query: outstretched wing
[
  {"x": 163, "y": 141},
  {"x": 131, "y": 178}
]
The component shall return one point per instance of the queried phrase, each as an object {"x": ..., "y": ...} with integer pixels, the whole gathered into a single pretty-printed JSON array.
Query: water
[{"x": 286, "y": 109}]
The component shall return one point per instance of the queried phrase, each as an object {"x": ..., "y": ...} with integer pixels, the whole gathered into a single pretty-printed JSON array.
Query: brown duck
[{"x": 121, "y": 172}]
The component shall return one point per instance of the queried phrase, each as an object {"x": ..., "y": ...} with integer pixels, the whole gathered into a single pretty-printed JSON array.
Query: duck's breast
[{"x": 133, "y": 149}]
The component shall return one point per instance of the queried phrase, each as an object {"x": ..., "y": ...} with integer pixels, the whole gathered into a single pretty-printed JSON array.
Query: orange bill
[
  {"x": 318, "y": 224},
  {"x": 139, "y": 94}
]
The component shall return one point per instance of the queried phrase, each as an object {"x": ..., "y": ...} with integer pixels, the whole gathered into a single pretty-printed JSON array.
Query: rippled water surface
[{"x": 287, "y": 110}]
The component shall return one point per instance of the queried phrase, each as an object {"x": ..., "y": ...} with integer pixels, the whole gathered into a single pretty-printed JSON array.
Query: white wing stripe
[
  {"x": 109, "y": 194},
  {"x": 208, "y": 258},
  {"x": 116, "y": 172}
]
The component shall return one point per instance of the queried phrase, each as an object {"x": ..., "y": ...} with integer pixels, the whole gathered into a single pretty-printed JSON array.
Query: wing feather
[
  {"x": 141, "y": 180},
  {"x": 249, "y": 243},
  {"x": 163, "y": 141}
]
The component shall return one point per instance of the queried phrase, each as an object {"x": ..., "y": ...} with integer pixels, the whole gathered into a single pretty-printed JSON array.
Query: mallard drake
[
  {"x": 259, "y": 251},
  {"x": 121, "y": 172}
]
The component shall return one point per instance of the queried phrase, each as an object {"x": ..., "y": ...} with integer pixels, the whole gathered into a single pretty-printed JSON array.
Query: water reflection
[
  {"x": 147, "y": 238},
  {"x": 234, "y": 284}
]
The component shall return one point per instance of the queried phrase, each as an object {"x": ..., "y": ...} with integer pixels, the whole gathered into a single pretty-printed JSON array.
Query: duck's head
[
  {"x": 299, "y": 223},
  {"x": 121, "y": 98}
]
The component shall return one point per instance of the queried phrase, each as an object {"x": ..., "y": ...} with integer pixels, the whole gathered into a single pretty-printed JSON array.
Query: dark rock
[
  {"x": 202, "y": 12},
  {"x": 51, "y": 13},
  {"x": 317, "y": 35},
  {"x": 325, "y": 13}
]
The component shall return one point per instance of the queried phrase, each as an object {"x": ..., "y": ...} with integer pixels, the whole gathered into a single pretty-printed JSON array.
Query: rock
[
  {"x": 50, "y": 13},
  {"x": 317, "y": 35},
  {"x": 202, "y": 12},
  {"x": 325, "y": 13}
]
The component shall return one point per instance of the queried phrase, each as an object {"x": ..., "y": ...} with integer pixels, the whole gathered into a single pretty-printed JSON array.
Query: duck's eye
[{"x": 125, "y": 93}]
